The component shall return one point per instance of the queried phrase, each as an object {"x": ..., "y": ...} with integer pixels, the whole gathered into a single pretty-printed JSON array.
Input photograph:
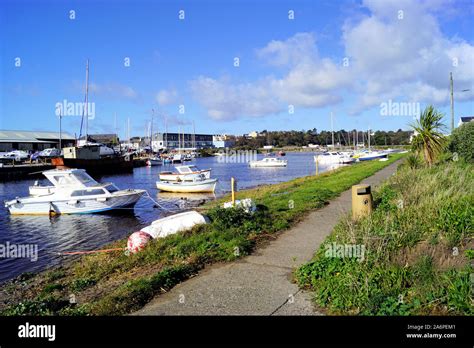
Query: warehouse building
[{"x": 33, "y": 140}]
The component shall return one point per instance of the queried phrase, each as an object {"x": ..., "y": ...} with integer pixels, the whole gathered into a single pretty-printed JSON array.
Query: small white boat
[
  {"x": 371, "y": 155},
  {"x": 334, "y": 158},
  {"x": 177, "y": 158},
  {"x": 268, "y": 162},
  {"x": 73, "y": 192},
  {"x": 198, "y": 185},
  {"x": 185, "y": 173},
  {"x": 154, "y": 161}
]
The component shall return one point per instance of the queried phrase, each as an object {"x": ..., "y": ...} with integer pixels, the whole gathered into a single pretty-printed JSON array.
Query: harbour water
[{"x": 65, "y": 233}]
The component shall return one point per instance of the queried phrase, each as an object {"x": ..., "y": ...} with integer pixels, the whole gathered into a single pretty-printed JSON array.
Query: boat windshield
[
  {"x": 184, "y": 169},
  {"x": 111, "y": 188},
  {"x": 85, "y": 179}
]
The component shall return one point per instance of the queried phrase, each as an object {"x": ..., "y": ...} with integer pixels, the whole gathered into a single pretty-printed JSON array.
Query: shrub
[{"x": 462, "y": 141}]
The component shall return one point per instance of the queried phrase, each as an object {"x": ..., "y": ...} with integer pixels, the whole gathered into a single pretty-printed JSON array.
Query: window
[{"x": 90, "y": 192}]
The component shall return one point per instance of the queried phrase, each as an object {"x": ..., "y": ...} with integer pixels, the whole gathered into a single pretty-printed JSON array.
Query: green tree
[{"x": 429, "y": 138}]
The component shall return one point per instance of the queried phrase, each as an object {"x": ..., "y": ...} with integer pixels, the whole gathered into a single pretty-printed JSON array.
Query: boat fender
[{"x": 137, "y": 241}]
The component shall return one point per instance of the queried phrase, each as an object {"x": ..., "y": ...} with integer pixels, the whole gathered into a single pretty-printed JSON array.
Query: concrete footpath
[{"x": 260, "y": 284}]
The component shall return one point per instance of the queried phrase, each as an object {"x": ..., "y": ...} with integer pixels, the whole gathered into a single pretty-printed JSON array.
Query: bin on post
[{"x": 362, "y": 203}]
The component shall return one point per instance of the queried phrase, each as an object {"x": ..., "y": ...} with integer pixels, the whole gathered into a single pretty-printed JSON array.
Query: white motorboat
[
  {"x": 198, "y": 185},
  {"x": 185, "y": 173},
  {"x": 177, "y": 158},
  {"x": 334, "y": 158},
  {"x": 73, "y": 192},
  {"x": 371, "y": 155},
  {"x": 268, "y": 162},
  {"x": 154, "y": 161}
]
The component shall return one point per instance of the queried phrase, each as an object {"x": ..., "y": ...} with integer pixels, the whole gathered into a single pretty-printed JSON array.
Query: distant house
[
  {"x": 465, "y": 119},
  {"x": 253, "y": 134},
  {"x": 268, "y": 147}
]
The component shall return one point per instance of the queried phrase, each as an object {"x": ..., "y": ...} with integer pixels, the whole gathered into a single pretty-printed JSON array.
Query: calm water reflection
[{"x": 89, "y": 232}]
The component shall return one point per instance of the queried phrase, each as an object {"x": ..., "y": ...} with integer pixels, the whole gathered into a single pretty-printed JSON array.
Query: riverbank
[
  {"x": 114, "y": 283},
  {"x": 418, "y": 247}
]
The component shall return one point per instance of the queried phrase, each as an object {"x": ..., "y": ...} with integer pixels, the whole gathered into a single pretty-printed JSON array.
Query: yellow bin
[{"x": 362, "y": 202}]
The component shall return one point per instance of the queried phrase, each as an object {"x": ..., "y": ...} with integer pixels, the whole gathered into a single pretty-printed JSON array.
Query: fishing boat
[
  {"x": 198, "y": 185},
  {"x": 73, "y": 191},
  {"x": 268, "y": 162},
  {"x": 184, "y": 173}
]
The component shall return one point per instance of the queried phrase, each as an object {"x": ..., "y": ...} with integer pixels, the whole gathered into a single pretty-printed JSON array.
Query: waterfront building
[
  {"x": 33, "y": 140},
  {"x": 186, "y": 141}
]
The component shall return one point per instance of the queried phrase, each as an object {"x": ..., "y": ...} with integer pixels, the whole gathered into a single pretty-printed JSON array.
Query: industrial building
[{"x": 33, "y": 140}]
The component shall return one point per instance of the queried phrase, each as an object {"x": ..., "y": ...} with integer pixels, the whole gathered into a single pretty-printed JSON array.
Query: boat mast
[
  {"x": 332, "y": 130},
  {"x": 368, "y": 136},
  {"x": 151, "y": 136},
  {"x": 194, "y": 137},
  {"x": 60, "y": 132},
  {"x": 87, "y": 100}
]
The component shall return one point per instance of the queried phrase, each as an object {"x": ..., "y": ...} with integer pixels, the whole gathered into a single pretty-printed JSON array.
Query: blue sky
[{"x": 345, "y": 57}]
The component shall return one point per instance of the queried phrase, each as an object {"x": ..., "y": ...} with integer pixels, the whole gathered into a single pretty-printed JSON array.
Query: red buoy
[{"x": 137, "y": 241}]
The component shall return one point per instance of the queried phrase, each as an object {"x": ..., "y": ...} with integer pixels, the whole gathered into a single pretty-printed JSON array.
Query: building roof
[
  {"x": 465, "y": 119},
  {"x": 31, "y": 136}
]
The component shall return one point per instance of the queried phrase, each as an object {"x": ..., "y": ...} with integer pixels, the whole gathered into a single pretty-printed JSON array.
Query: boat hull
[
  {"x": 107, "y": 165},
  {"x": 188, "y": 187},
  {"x": 372, "y": 157}
]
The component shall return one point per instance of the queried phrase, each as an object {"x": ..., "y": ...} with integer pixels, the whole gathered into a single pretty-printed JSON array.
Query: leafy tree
[{"x": 429, "y": 138}]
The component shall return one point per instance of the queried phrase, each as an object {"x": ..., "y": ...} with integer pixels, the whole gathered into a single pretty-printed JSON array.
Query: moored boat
[
  {"x": 73, "y": 192},
  {"x": 371, "y": 155},
  {"x": 184, "y": 173},
  {"x": 268, "y": 162},
  {"x": 198, "y": 185},
  {"x": 154, "y": 161}
]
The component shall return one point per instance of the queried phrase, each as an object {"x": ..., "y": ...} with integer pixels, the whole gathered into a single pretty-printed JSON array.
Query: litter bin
[{"x": 362, "y": 203}]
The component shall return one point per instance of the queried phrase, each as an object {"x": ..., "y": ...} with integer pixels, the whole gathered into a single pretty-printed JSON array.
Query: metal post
[{"x": 452, "y": 102}]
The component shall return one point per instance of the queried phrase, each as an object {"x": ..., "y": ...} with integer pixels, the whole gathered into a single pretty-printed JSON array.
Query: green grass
[
  {"x": 116, "y": 283},
  {"x": 418, "y": 242}
]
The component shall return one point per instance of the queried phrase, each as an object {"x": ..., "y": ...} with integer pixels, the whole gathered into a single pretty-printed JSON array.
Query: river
[{"x": 51, "y": 235}]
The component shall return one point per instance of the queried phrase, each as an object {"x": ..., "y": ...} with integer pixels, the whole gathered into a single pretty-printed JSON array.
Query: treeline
[{"x": 323, "y": 138}]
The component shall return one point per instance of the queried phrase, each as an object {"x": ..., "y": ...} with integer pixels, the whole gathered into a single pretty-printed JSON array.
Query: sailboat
[
  {"x": 371, "y": 155},
  {"x": 93, "y": 157},
  {"x": 333, "y": 157}
]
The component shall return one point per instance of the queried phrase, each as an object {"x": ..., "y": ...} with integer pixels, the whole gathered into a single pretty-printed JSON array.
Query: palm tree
[{"x": 429, "y": 138}]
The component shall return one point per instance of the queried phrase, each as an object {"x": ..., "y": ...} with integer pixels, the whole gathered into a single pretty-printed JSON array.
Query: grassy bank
[
  {"x": 115, "y": 283},
  {"x": 418, "y": 243}
]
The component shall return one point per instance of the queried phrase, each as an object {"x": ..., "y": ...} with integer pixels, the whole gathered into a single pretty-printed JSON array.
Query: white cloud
[
  {"x": 397, "y": 51},
  {"x": 166, "y": 97},
  {"x": 225, "y": 101},
  {"x": 408, "y": 57}
]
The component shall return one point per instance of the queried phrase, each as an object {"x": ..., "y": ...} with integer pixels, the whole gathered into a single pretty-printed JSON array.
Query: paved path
[{"x": 260, "y": 284}]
